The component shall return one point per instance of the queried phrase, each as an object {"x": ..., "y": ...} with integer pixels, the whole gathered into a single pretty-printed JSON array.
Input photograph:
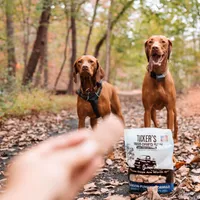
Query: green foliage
[
  {"x": 7, "y": 91},
  {"x": 36, "y": 101},
  {"x": 178, "y": 20},
  {"x": 17, "y": 101},
  {"x": 175, "y": 19}
]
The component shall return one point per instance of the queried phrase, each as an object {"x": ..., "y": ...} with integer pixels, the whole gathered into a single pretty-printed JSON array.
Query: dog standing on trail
[
  {"x": 96, "y": 98},
  {"x": 158, "y": 90}
]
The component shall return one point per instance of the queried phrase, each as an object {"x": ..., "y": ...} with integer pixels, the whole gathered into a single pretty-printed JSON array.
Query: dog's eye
[
  {"x": 80, "y": 61},
  {"x": 91, "y": 61},
  {"x": 163, "y": 42},
  {"x": 150, "y": 42}
]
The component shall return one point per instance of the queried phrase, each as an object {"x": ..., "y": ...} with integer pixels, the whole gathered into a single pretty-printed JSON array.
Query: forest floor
[{"x": 17, "y": 134}]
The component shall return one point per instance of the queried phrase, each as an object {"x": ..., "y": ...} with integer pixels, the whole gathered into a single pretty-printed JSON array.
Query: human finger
[
  {"x": 108, "y": 133},
  {"x": 64, "y": 141}
]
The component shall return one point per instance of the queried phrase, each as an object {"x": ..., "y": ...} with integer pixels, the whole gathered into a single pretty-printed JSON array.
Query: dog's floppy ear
[
  {"x": 169, "y": 48},
  {"x": 75, "y": 71},
  {"x": 99, "y": 72},
  {"x": 146, "y": 50}
]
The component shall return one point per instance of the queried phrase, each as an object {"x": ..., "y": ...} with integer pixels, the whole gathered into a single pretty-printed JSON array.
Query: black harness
[
  {"x": 92, "y": 97},
  {"x": 158, "y": 77}
]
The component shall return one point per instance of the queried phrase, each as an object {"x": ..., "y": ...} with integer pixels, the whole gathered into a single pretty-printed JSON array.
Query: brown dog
[
  {"x": 95, "y": 98},
  {"x": 158, "y": 89}
]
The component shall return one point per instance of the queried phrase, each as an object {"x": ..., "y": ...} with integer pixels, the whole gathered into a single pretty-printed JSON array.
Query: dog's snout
[
  {"x": 155, "y": 48},
  {"x": 85, "y": 67}
]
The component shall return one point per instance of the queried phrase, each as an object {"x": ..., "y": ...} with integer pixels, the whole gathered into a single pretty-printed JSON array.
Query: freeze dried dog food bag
[{"x": 149, "y": 154}]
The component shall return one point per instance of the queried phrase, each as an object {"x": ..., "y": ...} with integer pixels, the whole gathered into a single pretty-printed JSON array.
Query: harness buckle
[
  {"x": 97, "y": 94},
  {"x": 88, "y": 96}
]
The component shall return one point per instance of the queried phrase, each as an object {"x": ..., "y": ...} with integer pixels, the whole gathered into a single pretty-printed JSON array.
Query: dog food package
[{"x": 149, "y": 154}]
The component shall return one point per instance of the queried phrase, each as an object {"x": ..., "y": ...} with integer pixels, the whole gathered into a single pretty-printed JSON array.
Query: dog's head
[
  {"x": 157, "y": 48},
  {"x": 88, "y": 66}
]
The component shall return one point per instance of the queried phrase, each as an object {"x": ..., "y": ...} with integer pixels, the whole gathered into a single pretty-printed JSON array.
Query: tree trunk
[
  {"x": 108, "y": 34},
  {"x": 45, "y": 63},
  {"x": 70, "y": 89},
  {"x": 91, "y": 27},
  {"x": 27, "y": 34},
  {"x": 101, "y": 41},
  {"x": 39, "y": 72},
  {"x": 39, "y": 44},
  {"x": 10, "y": 39},
  {"x": 43, "y": 67},
  {"x": 65, "y": 58},
  {"x": 26, "y": 28}
]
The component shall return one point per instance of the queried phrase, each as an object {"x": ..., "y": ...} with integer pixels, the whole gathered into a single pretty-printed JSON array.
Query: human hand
[{"x": 59, "y": 167}]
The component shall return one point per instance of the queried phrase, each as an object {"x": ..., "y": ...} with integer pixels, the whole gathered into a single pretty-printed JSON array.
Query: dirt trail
[
  {"x": 189, "y": 103},
  {"x": 19, "y": 134}
]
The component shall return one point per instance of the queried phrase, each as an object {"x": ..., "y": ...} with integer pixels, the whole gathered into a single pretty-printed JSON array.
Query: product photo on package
[{"x": 149, "y": 154}]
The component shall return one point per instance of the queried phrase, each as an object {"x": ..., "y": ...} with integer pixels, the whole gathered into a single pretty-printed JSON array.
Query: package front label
[{"x": 149, "y": 154}]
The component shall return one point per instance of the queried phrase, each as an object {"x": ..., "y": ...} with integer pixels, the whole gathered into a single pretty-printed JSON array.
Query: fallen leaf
[
  {"x": 195, "y": 159},
  {"x": 92, "y": 193},
  {"x": 152, "y": 193},
  {"x": 111, "y": 156},
  {"x": 197, "y": 143},
  {"x": 141, "y": 198},
  {"x": 114, "y": 182},
  {"x": 197, "y": 188},
  {"x": 3, "y": 133},
  {"x": 109, "y": 161},
  {"x": 117, "y": 197},
  {"x": 183, "y": 197},
  {"x": 179, "y": 164},
  {"x": 196, "y": 171},
  {"x": 195, "y": 179},
  {"x": 188, "y": 184},
  {"x": 189, "y": 158},
  {"x": 133, "y": 196},
  {"x": 89, "y": 186},
  {"x": 183, "y": 170},
  {"x": 104, "y": 190}
]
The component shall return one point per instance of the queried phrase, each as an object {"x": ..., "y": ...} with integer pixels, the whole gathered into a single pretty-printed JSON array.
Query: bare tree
[
  {"x": 10, "y": 38},
  {"x": 39, "y": 44},
  {"x": 43, "y": 66},
  {"x": 108, "y": 36},
  {"x": 114, "y": 21},
  {"x": 26, "y": 28},
  {"x": 39, "y": 72},
  {"x": 70, "y": 89},
  {"x": 65, "y": 51},
  {"x": 45, "y": 63},
  {"x": 91, "y": 27}
]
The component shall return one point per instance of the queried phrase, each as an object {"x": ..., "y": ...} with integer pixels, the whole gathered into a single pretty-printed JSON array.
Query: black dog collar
[{"x": 158, "y": 77}]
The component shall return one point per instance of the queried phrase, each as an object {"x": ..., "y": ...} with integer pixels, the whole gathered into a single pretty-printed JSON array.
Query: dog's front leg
[
  {"x": 170, "y": 119},
  {"x": 175, "y": 126},
  {"x": 93, "y": 122},
  {"x": 81, "y": 123},
  {"x": 147, "y": 118}
]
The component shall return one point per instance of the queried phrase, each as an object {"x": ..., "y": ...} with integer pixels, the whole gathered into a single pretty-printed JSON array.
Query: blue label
[{"x": 141, "y": 187}]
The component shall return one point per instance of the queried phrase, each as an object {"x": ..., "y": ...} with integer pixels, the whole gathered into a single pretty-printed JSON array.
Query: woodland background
[{"x": 40, "y": 40}]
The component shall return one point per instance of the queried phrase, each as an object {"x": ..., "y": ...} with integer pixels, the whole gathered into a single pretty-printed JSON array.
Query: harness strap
[
  {"x": 92, "y": 98},
  {"x": 94, "y": 104}
]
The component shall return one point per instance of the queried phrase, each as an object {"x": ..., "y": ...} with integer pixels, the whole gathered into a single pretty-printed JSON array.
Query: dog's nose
[
  {"x": 85, "y": 67},
  {"x": 155, "y": 47}
]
